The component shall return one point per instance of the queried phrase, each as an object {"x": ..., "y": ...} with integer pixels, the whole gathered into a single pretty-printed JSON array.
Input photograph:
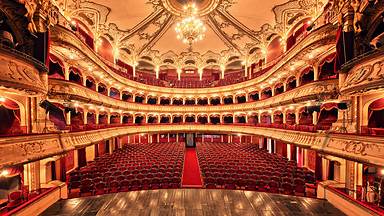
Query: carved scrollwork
[
  {"x": 366, "y": 75},
  {"x": 31, "y": 148},
  {"x": 358, "y": 147}
]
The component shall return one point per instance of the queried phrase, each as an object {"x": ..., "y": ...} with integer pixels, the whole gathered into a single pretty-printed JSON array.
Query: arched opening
[
  {"x": 91, "y": 120},
  {"x": 103, "y": 119},
  {"x": 139, "y": 119},
  {"x": 177, "y": 119},
  {"x": 114, "y": 93},
  {"x": 376, "y": 117},
  {"x": 115, "y": 118},
  {"x": 190, "y": 101},
  {"x": 290, "y": 118},
  {"x": 253, "y": 119},
  {"x": 165, "y": 119},
  {"x": 190, "y": 118},
  {"x": 127, "y": 96},
  {"x": 228, "y": 99},
  {"x": 266, "y": 93},
  {"x": 254, "y": 96},
  {"x": 305, "y": 118},
  {"x": 166, "y": 101},
  {"x": 77, "y": 121},
  {"x": 228, "y": 119},
  {"x": 279, "y": 88},
  {"x": 327, "y": 68},
  {"x": 151, "y": 100},
  {"x": 56, "y": 70},
  {"x": 102, "y": 89},
  {"x": 127, "y": 119},
  {"x": 202, "y": 119},
  {"x": 241, "y": 119},
  {"x": 75, "y": 76},
  {"x": 214, "y": 119},
  {"x": 307, "y": 76},
  {"x": 278, "y": 117},
  {"x": 327, "y": 116},
  {"x": 202, "y": 101},
  {"x": 90, "y": 83},
  {"x": 291, "y": 83},
  {"x": 85, "y": 33},
  {"x": 265, "y": 118},
  {"x": 241, "y": 99},
  {"x": 139, "y": 99},
  {"x": 177, "y": 101},
  {"x": 152, "y": 119},
  {"x": 10, "y": 117},
  {"x": 215, "y": 101},
  {"x": 57, "y": 117}
]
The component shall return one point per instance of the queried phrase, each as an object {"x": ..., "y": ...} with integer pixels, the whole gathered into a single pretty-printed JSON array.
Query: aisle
[{"x": 191, "y": 172}]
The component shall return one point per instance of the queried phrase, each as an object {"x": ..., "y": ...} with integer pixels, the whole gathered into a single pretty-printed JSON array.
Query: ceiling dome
[{"x": 204, "y": 6}]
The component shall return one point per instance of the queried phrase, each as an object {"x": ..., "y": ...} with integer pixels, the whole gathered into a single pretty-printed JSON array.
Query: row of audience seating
[
  {"x": 245, "y": 166},
  {"x": 134, "y": 167}
]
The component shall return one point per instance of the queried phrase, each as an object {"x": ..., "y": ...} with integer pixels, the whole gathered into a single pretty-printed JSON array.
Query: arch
[
  {"x": 253, "y": 118},
  {"x": 214, "y": 119},
  {"x": 167, "y": 101},
  {"x": 102, "y": 89},
  {"x": 327, "y": 68},
  {"x": 190, "y": 118},
  {"x": 202, "y": 101},
  {"x": 307, "y": 76},
  {"x": 139, "y": 99},
  {"x": 254, "y": 96},
  {"x": 177, "y": 119},
  {"x": 376, "y": 115},
  {"x": 152, "y": 119},
  {"x": 126, "y": 96},
  {"x": 177, "y": 101},
  {"x": 228, "y": 99},
  {"x": 139, "y": 119},
  {"x": 85, "y": 33},
  {"x": 152, "y": 99},
  {"x": 77, "y": 119},
  {"x": 227, "y": 118},
  {"x": 265, "y": 118},
  {"x": 127, "y": 118},
  {"x": 190, "y": 101},
  {"x": 278, "y": 117},
  {"x": 90, "y": 83},
  {"x": 114, "y": 93},
  {"x": 241, "y": 98},
  {"x": 165, "y": 119},
  {"x": 291, "y": 83},
  {"x": 103, "y": 118},
  {"x": 202, "y": 118},
  {"x": 91, "y": 118},
  {"x": 266, "y": 93},
  {"x": 56, "y": 68},
  {"x": 75, "y": 76},
  {"x": 241, "y": 118},
  {"x": 327, "y": 116},
  {"x": 215, "y": 100},
  {"x": 114, "y": 118},
  {"x": 279, "y": 88},
  {"x": 297, "y": 32}
]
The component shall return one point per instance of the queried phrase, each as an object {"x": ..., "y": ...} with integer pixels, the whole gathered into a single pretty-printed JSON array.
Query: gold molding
[{"x": 23, "y": 149}]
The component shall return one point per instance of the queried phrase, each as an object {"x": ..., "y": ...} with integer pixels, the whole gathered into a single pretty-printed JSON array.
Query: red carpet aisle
[{"x": 191, "y": 173}]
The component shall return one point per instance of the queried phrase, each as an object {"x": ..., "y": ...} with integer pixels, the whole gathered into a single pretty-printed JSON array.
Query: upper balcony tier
[
  {"x": 21, "y": 73},
  {"x": 71, "y": 50}
]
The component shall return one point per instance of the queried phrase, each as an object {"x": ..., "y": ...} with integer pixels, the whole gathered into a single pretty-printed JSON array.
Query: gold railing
[
  {"x": 65, "y": 90},
  {"x": 22, "y": 149}
]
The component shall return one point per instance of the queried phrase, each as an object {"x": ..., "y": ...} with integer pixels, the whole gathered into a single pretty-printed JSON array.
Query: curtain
[{"x": 344, "y": 44}]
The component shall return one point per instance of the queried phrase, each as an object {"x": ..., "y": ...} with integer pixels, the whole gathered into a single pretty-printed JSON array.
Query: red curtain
[{"x": 344, "y": 47}]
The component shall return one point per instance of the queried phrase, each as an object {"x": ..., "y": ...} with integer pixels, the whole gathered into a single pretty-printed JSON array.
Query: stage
[{"x": 193, "y": 202}]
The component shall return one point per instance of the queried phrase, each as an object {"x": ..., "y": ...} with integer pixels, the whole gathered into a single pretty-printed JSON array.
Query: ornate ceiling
[{"x": 234, "y": 28}]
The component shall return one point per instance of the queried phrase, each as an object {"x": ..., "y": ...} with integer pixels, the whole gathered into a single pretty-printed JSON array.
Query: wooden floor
[{"x": 193, "y": 202}]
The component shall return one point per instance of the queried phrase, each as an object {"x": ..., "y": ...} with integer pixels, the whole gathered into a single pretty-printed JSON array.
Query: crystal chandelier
[{"x": 191, "y": 29}]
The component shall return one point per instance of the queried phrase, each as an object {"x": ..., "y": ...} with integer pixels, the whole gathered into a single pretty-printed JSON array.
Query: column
[
  {"x": 33, "y": 180},
  {"x": 284, "y": 117},
  {"x": 109, "y": 118},
  {"x": 314, "y": 118},
  {"x": 297, "y": 117},
  {"x": 68, "y": 118},
  {"x": 97, "y": 117},
  {"x": 85, "y": 117}
]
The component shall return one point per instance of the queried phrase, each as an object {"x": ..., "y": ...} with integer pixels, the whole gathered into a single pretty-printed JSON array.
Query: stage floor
[{"x": 193, "y": 202}]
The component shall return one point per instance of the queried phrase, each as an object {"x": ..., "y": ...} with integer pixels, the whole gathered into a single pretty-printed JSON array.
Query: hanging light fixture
[{"x": 191, "y": 29}]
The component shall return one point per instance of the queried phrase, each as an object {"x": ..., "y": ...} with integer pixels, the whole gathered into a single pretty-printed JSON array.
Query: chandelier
[{"x": 191, "y": 29}]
